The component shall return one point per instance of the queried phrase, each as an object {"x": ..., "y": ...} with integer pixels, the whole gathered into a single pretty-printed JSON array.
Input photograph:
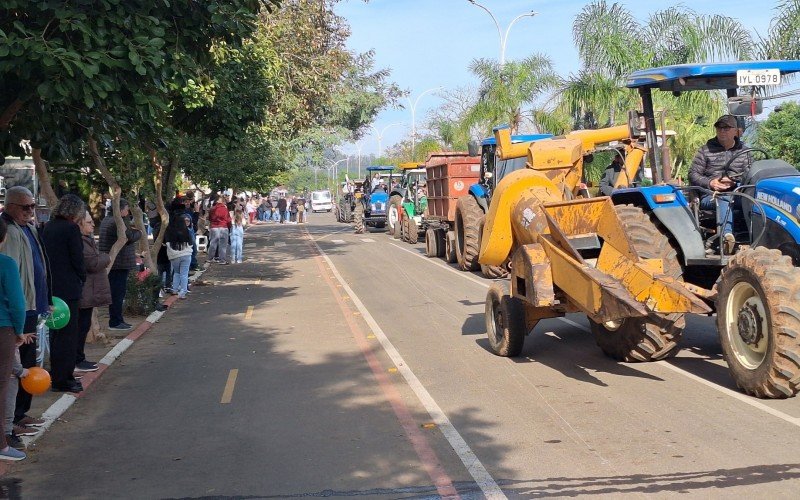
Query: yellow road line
[
  {"x": 249, "y": 313},
  {"x": 227, "y": 394}
]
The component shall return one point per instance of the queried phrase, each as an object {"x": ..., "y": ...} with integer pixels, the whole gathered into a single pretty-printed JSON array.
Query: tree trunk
[
  {"x": 95, "y": 334},
  {"x": 158, "y": 188},
  {"x": 144, "y": 243},
  {"x": 116, "y": 194},
  {"x": 45, "y": 184},
  {"x": 9, "y": 113}
]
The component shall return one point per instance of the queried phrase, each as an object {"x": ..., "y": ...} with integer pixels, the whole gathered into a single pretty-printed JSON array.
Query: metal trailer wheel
[
  {"x": 655, "y": 336},
  {"x": 758, "y": 318},
  {"x": 505, "y": 321},
  {"x": 441, "y": 241},
  {"x": 468, "y": 217},
  {"x": 393, "y": 212},
  {"x": 431, "y": 243},
  {"x": 450, "y": 248}
]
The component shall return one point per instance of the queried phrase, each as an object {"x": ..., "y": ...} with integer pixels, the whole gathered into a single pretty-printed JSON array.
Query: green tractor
[{"x": 408, "y": 201}]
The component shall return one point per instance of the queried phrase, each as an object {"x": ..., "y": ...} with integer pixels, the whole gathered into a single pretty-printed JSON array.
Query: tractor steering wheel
[{"x": 737, "y": 177}]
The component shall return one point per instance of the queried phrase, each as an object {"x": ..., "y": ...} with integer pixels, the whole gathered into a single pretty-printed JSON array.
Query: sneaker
[
  {"x": 120, "y": 327},
  {"x": 29, "y": 421},
  {"x": 728, "y": 243},
  {"x": 86, "y": 366},
  {"x": 182, "y": 297},
  {"x": 14, "y": 441},
  {"x": 11, "y": 454},
  {"x": 21, "y": 430}
]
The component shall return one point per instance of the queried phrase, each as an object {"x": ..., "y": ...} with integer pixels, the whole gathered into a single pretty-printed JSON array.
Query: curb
[{"x": 62, "y": 404}]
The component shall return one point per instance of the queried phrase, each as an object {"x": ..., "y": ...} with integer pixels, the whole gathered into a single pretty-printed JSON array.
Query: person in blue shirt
[{"x": 12, "y": 322}]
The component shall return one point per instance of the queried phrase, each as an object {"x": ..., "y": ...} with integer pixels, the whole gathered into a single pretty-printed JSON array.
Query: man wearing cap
[{"x": 710, "y": 170}]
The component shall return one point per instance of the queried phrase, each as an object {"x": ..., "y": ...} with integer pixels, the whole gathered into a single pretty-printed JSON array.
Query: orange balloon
[{"x": 37, "y": 382}]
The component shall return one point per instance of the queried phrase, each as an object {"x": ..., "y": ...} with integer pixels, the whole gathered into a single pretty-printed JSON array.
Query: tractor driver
[{"x": 709, "y": 171}]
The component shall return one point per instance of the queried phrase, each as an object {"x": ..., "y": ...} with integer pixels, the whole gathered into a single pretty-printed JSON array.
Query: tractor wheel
[
  {"x": 413, "y": 231},
  {"x": 491, "y": 272},
  {"x": 431, "y": 243},
  {"x": 441, "y": 238},
  {"x": 758, "y": 317},
  {"x": 505, "y": 321},
  {"x": 336, "y": 213},
  {"x": 393, "y": 212},
  {"x": 656, "y": 336},
  {"x": 450, "y": 248},
  {"x": 359, "y": 219},
  {"x": 468, "y": 219},
  {"x": 347, "y": 213}
]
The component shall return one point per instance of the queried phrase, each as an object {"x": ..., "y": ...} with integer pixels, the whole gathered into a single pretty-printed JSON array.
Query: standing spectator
[
  {"x": 250, "y": 207},
  {"x": 179, "y": 251},
  {"x": 220, "y": 219},
  {"x": 293, "y": 211},
  {"x": 96, "y": 290},
  {"x": 64, "y": 244},
  {"x": 24, "y": 245},
  {"x": 301, "y": 211},
  {"x": 237, "y": 237},
  {"x": 123, "y": 263},
  {"x": 282, "y": 213},
  {"x": 12, "y": 321}
]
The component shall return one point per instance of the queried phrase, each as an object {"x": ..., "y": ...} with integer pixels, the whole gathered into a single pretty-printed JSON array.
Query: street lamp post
[
  {"x": 414, "y": 116},
  {"x": 332, "y": 166},
  {"x": 503, "y": 38},
  {"x": 381, "y": 133}
]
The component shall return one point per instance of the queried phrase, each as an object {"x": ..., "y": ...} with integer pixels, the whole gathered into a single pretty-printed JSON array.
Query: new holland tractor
[
  {"x": 636, "y": 262},
  {"x": 374, "y": 201},
  {"x": 471, "y": 209}
]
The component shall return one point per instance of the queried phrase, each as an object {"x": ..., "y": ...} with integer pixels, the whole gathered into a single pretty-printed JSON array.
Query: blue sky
[{"x": 430, "y": 43}]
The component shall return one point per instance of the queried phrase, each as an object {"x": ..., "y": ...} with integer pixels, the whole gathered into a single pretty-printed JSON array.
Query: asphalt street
[{"x": 331, "y": 364}]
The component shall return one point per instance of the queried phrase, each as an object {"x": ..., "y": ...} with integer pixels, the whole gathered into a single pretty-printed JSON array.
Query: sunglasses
[{"x": 25, "y": 207}]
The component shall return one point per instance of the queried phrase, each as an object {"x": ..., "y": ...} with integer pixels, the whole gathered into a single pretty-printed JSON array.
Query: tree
[{"x": 779, "y": 134}]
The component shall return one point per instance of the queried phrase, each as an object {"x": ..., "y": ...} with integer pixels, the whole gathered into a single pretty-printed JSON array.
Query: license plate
[{"x": 753, "y": 77}]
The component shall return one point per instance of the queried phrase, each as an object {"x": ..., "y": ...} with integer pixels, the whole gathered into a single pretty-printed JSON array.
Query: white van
[{"x": 321, "y": 201}]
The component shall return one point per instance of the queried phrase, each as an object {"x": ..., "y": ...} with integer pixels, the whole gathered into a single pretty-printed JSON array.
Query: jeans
[
  {"x": 118, "y": 279},
  {"x": 724, "y": 209},
  {"x": 180, "y": 274},
  {"x": 236, "y": 247},
  {"x": 218, "y": 242}
]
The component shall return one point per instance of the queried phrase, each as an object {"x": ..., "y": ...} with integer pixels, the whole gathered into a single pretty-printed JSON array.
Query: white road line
[
  {"x": 367, "y": 240},
  {"x": 474, "y": 466},
  {"x": 348, "y": 228},
  {"x": 724, "y": 390},
  {"x": 338, "y": 242}
]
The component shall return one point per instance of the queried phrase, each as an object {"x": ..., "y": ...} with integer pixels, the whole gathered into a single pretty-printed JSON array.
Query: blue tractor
[
  {"x": 754, "y": 287},
  {"x": 374, "y": 200},
  {"x": 471, "y": 209}
]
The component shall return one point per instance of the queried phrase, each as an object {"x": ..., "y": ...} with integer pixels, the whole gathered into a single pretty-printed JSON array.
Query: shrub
[{"x": 142, "y": 293}]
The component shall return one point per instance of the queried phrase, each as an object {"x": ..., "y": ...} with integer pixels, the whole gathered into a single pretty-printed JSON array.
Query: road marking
[
  {"x": 367, "y": 240},
  {"x": 280, "y": 244},
  {"x": 249, "y": 313},
  {"x": 338, "y": 242},
  {"x": 258, "y": 280},
  {"x": 724, "y": 390},
  {"x": 392, "y": 370},
  {"x": 227, "y": 394},
  {"x": 482, "y": 478}
]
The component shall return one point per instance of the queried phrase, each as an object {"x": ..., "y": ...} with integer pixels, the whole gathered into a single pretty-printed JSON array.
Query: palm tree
[
  {"x": 612, "y": 43},
  {"x": 505, "y": 90}
]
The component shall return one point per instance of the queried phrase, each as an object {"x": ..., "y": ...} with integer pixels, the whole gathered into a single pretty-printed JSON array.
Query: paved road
[{"x": 364, "y": 371}]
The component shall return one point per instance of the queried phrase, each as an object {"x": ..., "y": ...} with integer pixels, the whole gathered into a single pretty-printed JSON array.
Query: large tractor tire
[
  {"x": 393, "y": 211},
  {"x": 505, "y": 321},
  {"x": 491, "y": 272},
  {"x": 358, "y": 221},
  {"x": 656, "y": 336},
  {"x": 468, "y": 219},
  {"x": 413, "y": 231},
  {"x": 347, "y": 213},
  {"x": 758, "y": 317},
  {"x": 431, "y": 243}
]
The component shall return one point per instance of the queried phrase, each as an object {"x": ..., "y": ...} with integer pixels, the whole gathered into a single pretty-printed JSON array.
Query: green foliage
[
  {"x": 779, "y": 134},
  {"x": 141, "y": 297}
]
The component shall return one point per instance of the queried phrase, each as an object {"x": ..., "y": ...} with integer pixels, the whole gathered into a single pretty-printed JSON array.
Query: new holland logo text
[{"x": 774, "y": 200}]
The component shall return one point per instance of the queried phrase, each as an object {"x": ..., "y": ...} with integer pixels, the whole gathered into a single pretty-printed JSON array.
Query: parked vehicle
[{"x": 321, "y": 201}]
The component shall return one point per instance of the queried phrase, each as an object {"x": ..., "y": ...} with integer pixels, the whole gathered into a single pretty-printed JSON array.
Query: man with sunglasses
[
  {"x": 715, "y": 163},
  {"x": 24, "y": 246}
]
